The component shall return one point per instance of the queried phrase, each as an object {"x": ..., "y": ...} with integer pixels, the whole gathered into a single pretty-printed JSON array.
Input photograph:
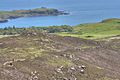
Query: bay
[{"x": 81, "y": 11}]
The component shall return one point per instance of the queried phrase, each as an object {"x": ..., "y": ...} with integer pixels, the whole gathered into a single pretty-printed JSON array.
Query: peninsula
[{"x": 5, "y": 15}]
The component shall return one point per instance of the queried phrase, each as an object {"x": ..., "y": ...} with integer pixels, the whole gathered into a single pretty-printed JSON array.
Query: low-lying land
[
  {"x": 5, "y": 15},
  {"x": 43, "y": 54}
]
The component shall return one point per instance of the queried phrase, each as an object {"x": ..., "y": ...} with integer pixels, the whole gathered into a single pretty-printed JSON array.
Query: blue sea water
[{"x": 81, "y": 11}]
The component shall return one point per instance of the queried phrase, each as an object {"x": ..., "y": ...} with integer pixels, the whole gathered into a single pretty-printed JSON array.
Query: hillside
[
  {"x": 82, "y": 52},
  {"x": 106, "y": 28},
  {"x": 42, "y": 56}
]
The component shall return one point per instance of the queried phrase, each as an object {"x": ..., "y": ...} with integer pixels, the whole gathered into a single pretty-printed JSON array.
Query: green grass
[{"x": 107, "y": 28}]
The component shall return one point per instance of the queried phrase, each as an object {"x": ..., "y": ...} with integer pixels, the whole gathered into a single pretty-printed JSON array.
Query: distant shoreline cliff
[{"x": 5, "y": 15}]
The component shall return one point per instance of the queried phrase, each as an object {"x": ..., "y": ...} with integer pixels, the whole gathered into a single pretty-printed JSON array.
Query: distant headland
[{"x": 5, "y": 15}]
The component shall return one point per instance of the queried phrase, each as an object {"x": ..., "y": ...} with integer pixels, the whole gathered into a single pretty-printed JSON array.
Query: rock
[
  {"x": 82, "y": 71},
  {"x": 79, "y": 66},
  {"x": 71, "y": 56},
  {"x": 34, "y": 75},
  {"x": 83, "y": 67},
  {"x": 34, "y": 33},
  {"x": 72, "y": 68},
  {"x": 56, "y": 56},
  {"x": 65, "y": 78},
  {"x": 35, "y": 78},
  {"x": 75, "y": 78},
  {"x": 76, "y": 59},
  {"x": 8, "y": 63},
  {"x": 1, "y": 43},
  {"x": 59, "y": 70},
  {"x": 64, "y": 55},
  {"x": 61, "y": 67},
  {"x": 53, "y": 78},
  {"x": 19, "y": 60}
]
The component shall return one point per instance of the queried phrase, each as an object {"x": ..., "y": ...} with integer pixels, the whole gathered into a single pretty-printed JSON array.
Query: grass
[
  {"x": 107, "y": 28},
  {"x": 88, "y": 36},
  {"x": 2, "y": 36},
  {"x": 26, "y": 53},
  {"x": 41, "y": 55},
  {"x": 60, "y": 62}
]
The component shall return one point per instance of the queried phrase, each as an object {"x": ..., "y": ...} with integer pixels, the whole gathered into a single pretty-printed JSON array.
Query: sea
[{"x": 81, "y": 11}]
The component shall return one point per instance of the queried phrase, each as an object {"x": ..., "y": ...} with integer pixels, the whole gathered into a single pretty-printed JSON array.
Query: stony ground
[{"x": 42, "y": 56}]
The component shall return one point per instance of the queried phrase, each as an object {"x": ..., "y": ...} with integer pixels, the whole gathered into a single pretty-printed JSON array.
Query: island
[{"x": 5, "y": 15}]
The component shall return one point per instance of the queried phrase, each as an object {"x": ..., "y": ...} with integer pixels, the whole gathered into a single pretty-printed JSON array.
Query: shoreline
[{"x": 14, "y": 14}]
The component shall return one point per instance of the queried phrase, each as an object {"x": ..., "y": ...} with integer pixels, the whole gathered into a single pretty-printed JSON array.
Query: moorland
[{"x": 82, "y": 52}]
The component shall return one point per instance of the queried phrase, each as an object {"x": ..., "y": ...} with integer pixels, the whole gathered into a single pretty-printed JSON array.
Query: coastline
[
  {"x": 3, "y": 20},
  {"x": 5, "y": 15}
]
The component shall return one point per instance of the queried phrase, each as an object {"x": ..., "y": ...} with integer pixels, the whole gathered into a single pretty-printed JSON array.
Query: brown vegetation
[{"x": 42, "y": 56}]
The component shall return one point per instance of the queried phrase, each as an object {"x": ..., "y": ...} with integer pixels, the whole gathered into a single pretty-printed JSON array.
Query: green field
[{"x": 106, "y": 28}]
